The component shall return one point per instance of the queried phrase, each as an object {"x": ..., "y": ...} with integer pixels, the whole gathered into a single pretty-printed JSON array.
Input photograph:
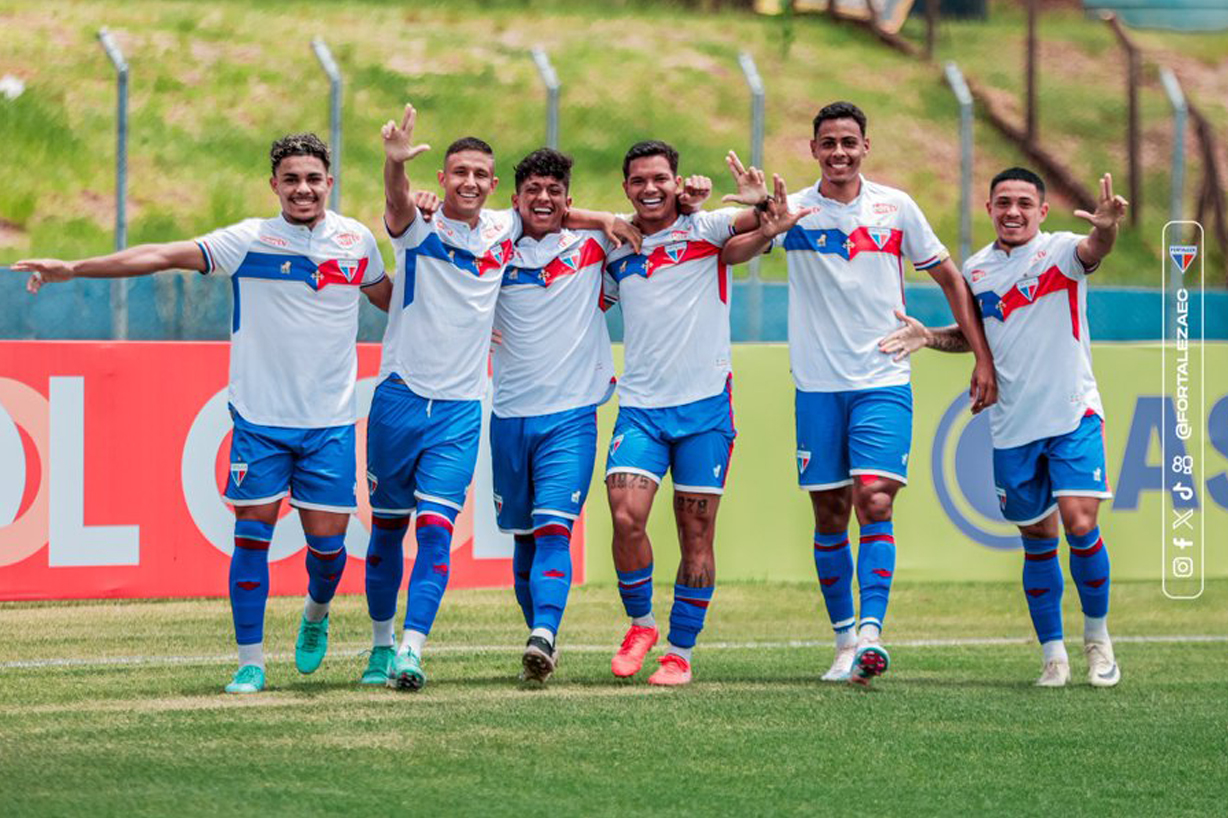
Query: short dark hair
[
  {"x": 840, "y": 110},
  {"x": 469, "y": 143},
  {"x": 298, "y": 144},
  {"x": 1019, "y": 174},
  {"x": 545, "y": 162},
  {"x": 651, "y": 147}
]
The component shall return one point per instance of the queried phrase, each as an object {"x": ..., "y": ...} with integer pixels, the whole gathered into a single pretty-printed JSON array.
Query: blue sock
[
  {"x": 522, "y": 565},
  {"x": 875, "y": 568},
  {"x": 1089, "y": 568},
  {"x": 635, "y": 587},
  {"x": 249, "y": 580},
  {"x": 833, "y": 561},
  {"x": 429, "y": 577},
  {"x": 385, "y": 566},
  {"x": 686, "y": 618},
  {"x": 325, "y": 564},
  {"x": 1043, "y": 584},
  {"x": 550, "y": 580}
]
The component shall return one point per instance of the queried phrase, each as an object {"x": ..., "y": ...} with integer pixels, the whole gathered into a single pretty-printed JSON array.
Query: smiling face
[
  {"x": 1017, "y": 210},
  {"x": 652, "y": 188},
  {"x": 542, "y": 202},
  {"x": 467, "y": 178},
  {"x": 302, "y": 184},
  {"x": 839, "y": 147}
]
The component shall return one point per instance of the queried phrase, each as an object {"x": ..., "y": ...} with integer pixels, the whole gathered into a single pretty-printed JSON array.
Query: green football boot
[
  {"x": 407, "y": 672},
  {"x": 311, "y": 645},
  {"x": 248, "y": 679},
  {"x": 379, "y": 666}
]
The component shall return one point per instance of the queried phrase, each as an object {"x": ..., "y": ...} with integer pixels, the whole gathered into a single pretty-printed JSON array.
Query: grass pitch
[{"x": 113, "y": 708}]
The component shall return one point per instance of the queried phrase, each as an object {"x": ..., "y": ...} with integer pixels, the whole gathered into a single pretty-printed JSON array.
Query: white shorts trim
[
  {"x": 565, "y": 514},
  {"x": 399, "y": 512},
  {"x": 827, "y": 486},
  {"x": 633, "y": 470},
  {"x": 259, "y": 501},
  {"x": 880, "y": 473},
  {"x": 699, "y": 489},
  {"x": 322, "y": 507},
  {"x": 515, "y": 531},
  {"x": 432, "y": 499},
  {"x": 1034, "y": 520},
  {"x": 1103, "y": 495}
]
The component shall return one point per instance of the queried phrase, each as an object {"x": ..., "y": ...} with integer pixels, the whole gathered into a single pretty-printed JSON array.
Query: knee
[
  {"x": 628, "y": 523},
  {"x": 874, "y": 506},
  {"x": 1081, "y": 525}
]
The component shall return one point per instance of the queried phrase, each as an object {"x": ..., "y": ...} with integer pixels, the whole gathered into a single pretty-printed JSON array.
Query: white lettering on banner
[
  {"x": 71, "y": 542},
  {"x": 205, "y": 503},
  {"x": 12, "y": 469}
]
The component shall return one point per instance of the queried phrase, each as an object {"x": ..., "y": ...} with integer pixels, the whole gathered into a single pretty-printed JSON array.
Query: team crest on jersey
[
  {"x": 571, "y": 261},
  {"x": 1027, "y": 287},
  {"x": 879, "y": 235},
  {"x": 346, "y": 239},
  {"x": 349, "y": 268},
  {"x": 496, "y": 254},
  {"x": 498, "y": 504},
  {"x": 977, "y": 275},
  {"x": 803, "y": 460},
  {"x": 1001, "y": 498},
  {"x": 675, "y": 251},
  {"x": 372, "y": 482},
  {"x": 237, "y": 472},
  {"x": 1183, "y": 255},
  {"x": 275, "y": 241},
  {"x": 615, "y": 443}
]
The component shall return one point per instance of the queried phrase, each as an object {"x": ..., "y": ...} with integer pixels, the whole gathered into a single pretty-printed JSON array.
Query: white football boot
[
  {"x": 1055, "y": 674},
  {"x": 1102, "y": 669}
]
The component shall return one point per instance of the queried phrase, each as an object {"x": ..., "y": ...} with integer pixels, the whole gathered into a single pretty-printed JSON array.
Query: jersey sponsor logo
[
  {"x": 882, "y": 208},
  {"x": 347, "y": 240},
  {"x": 275, "y": 241},
  {"x": 803, "y": 460},
  {"x": 237, "y": 472},
  {"x": 1183, "y": 255},
  {"x": 675, "y": 251},
  {"x": 679, "y": 235},
  {"x": 978, "y": 274},
  {"x": 1027, "y": 287}
]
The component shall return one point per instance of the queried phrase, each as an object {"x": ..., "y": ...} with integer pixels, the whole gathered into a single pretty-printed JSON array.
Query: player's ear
[
  {"x": 273, "y": 182},
  {"x": 567, "y": 206},
  {"x": 1044, "y": 210},
  {"x": 494, "y": 183},
  {"x": 515, "y": 201},
  {"x": 814, "y": 148},
  {"x": 439, "y": 176},
  {"x": 865, "y": 144},
  {"x": 625, "y": 190}
]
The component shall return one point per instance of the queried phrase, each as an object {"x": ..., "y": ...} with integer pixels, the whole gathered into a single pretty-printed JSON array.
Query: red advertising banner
[{"x": 113, "y": 457}]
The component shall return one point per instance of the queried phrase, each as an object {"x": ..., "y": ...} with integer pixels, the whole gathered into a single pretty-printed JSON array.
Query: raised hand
[
  {"x": 399, "y": 140},
  {"x": 695, "y": 191},
  {"x": 1110, "y": 209},
  {"x": 752, "y": 184},
  {"x": 42, "y": 271},
  {"x": 777, "y": 218}
]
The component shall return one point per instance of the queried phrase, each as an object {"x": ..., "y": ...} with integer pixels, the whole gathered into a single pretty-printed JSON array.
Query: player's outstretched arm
[
  {"x": 774, "y": 218},
  {"x": 1110, "y": 210},
  {"x": 135, "y": 261},
  {"x": 914, "y": 336},
  {"x": 399, "y": 148},
  {"x": 984, "y": 387},
  {"x": 617, "y": 231}
]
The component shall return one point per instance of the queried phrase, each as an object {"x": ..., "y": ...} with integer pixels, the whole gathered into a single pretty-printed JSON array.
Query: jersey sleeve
[
  {"x": 715, "y": 226},
  {"x": 1064, "y": 249},
  {"x": 375, "y": 260},
  {"x": 226, "y": 247},
  {"x": 412, "y": 236},
  {"x": 920, "y": 245}
]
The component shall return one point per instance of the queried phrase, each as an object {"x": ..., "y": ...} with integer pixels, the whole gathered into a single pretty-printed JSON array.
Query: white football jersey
[
  {"x": 555, "y": 353},
  {"x": 1034, "y": 305},
  {"x": 443, "y": 303},
  {"x": 675, "y": 298},
  {"x": 846, "y": 279},
  {"x": 295, "y": 321}
]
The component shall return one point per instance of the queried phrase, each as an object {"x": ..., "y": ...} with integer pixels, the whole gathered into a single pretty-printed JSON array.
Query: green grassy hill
[{"x": 214, "y": 82}]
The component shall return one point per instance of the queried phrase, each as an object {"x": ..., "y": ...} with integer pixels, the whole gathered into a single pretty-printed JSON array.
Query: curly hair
[
  {"x": 545, "y": 162},
  {"x": 298, "y": 144}
]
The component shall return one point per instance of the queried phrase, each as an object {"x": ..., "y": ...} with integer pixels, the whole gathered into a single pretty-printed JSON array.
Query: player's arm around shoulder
[{"x": 134, "y": 261}]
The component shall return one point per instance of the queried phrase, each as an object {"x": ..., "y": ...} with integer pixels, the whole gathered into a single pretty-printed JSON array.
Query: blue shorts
[
  {"x": 844, "y": 434},
  {"x": 316, "y": 467},
  {"x": 419, "y": 449},
  {"x": 694, "y": 442},
  {"x": 1030, "y": 478},
  {"x": 542, "y": 465}
]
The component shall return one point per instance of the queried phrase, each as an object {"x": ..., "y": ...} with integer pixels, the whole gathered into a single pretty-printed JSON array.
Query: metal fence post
[
  {"x": 119, "y": 286},
  {"x": 551, "y": 80},
  {"x": 1172, "y": 87},
  {"x": 754, "y": 306},
  {"x": 325, "y": 57},
  {"x": 955, "y": 79}
]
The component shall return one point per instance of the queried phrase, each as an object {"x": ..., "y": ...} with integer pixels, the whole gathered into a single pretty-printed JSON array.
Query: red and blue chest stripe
[
  {"x": 646, "y": 265},
  {"x": 833, "y": 242},
  {"x": 567, "y": 263},
  {"x": 1024, "y": 293},
  {"x": 298, "y": 269},
  {"x": 467, "y": 262}
]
